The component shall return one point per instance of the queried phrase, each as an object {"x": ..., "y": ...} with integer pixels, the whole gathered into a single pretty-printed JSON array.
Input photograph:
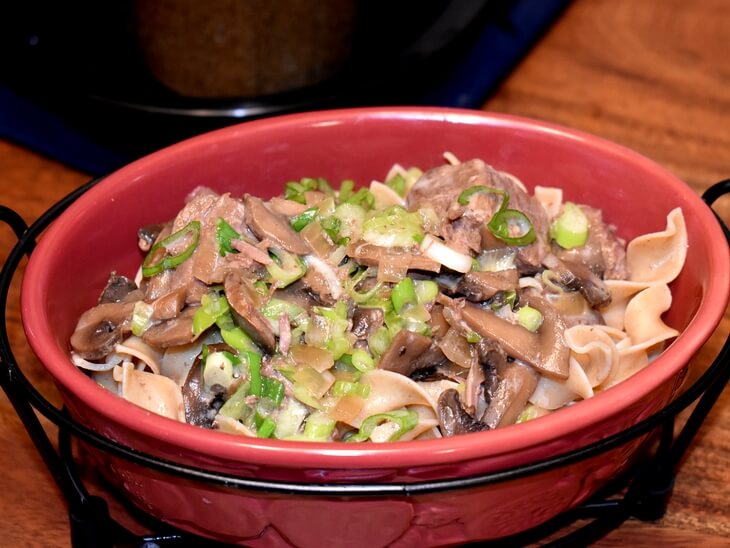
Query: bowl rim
[{"x": 291, "y": 454}]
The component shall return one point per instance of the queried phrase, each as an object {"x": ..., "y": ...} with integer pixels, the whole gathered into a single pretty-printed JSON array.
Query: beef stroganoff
[{"x": 431, "y": 304}]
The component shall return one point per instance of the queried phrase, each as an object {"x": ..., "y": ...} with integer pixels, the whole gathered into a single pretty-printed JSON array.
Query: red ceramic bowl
[{"x": 97, "y": 234}]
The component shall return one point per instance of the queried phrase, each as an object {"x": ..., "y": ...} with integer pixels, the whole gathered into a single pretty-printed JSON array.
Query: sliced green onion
[
  {"x": 224, "y": 233},
  {"x": 273, "y": 389},
  {"x": 352, "y": 217},
  {"x": 379, "y": 341},
  {"x": 266, "y": 428},
  {"x": 403, "y": 293},
  {"x": 294, "y": 190},
  {"x": 331, "y": 225},
  {"x": 393, "y": 227},
  {"x": 275, "y": 308},
  {"x": 348, "y": 388},
  {"x": 466, "y": 194},
  {"x": 405, "y": 419},
  {"x": 472, "y": 337},
  {"x": 254, "y": 371},
  {"x": 529, "y": 318},
  {"x": 236, "y": 406},
  {"x": 168, "y": 263},
  {"x": 363, "y": 197},
  {"x": 512, "y": 227},
  {"x": 426, "y": 291},
  {"x": 398, "y": 184},
  {"x": 141, "y": 317},
  {"x": 212, "y": 307},
  {"x": 285, "y": 268},
  {"x": 570, "y": 229},
  {"x": 345, "y": 191},
  {"x": 319, "y": 427},
  {"x": 323, "y": 185},
  {"x": 304, "y": 218},
  {"x": 235, "y": 336},
  {"x": 361, "y": 360}
]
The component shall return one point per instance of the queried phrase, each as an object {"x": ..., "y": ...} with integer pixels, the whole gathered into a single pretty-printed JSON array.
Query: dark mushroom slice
[
  {"x": 480, "y": 286},
  {"x": 148, "y": 235},
  {"x": 173, "y": 332},
  {"x": 118, "y": 289},
  {"x": 403, "y": 351},
  {"x": 319, "y": 284},
  {"x": 438, "y": 368},
  {"x": 203, "y": 403},
  {"x": 454, "y": 418},
  {"x": 398, "y": 257},
  {"x": 517, "y": 382},
  {"x": 168, "y": 306},
  {"x": 99, "y": 329},
  {"x": 246, "y": 304},
  {"x": 545, "y": 350},
  {"x": 266, "y": 224},
  {"x": 365, "y": 321},
  {"x": 578, "y": 277}
]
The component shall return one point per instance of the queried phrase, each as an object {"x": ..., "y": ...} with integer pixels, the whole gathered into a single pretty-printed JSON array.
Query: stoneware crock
[{"x": 97, "y": 234}]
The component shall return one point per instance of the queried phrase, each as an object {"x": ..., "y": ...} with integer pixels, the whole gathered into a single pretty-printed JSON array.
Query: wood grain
[{"x": 653, "y": 75}]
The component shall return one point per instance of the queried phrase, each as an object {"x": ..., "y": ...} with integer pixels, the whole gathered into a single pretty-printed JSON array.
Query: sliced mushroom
[
  {"x": 246, "y": 303},
  {"x": 173, "y": 332},
  {"x": 453, "y": 417},
  {"x": 267, "y": 224},
  {"x": 365, "y": 321},
  {"x": 404, "y": 258},
  {"x": 403, "y": 351},
  {"x": 480, "y": 286},
  {"x": 148, "y": 235},
  {"x": 168, "y": 306},
  {"x": 202, "y": 403},
  {"x": 118, "y": 289},
  {"x": 100, "y": 328},
  {"x": 578, "y": 277},
  {"x": 545, "y": 350},
  {"x": 517, "y": 382}
]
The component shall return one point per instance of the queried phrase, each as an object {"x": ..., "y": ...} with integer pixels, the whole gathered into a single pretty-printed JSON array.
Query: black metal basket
[{"x": 642, "y": 493}]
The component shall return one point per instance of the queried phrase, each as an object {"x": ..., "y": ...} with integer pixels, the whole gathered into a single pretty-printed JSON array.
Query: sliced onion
[
  {"x": 111, "y": 361},
  {"x": 385, "y": 196},
  {"x": 443, "y": 254},
  {"x": 328, "y": 273}
]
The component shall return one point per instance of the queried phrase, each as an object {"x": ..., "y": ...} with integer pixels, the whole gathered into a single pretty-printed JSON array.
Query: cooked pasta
[{"x": 424, "y": 305}]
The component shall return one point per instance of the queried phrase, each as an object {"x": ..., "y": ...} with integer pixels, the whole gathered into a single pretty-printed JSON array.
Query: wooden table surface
[{"x": 653, "y": 75}]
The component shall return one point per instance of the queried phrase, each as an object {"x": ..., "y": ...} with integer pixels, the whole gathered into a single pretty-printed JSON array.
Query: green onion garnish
[
  {"x": 530, "y": 318},
  {"x": 405, "y": 419},
  {"x": 254, "y": 372},
  {"x": 168, "y": 263},
  {"x": 466, "y": 194},
  {"x": 266, "y": 428},
  {"x": 570, "y": 229},
  {"x": 273, "y": 389},
  {"x": 348, "y": 388},
  {"x": 512, "y": 227},
  {"x": 141, "y": 317},
  {"x": 304, "y": 218},
  {"x": 224, "y": 233},
  {"x": 403, "y": 293},
  {"x": 398, "y": 184},
  {"x": 212, "y": 307}
]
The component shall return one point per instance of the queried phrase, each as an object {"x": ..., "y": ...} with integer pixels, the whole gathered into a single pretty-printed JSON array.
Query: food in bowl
[{"x": 428, "y": 305}]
